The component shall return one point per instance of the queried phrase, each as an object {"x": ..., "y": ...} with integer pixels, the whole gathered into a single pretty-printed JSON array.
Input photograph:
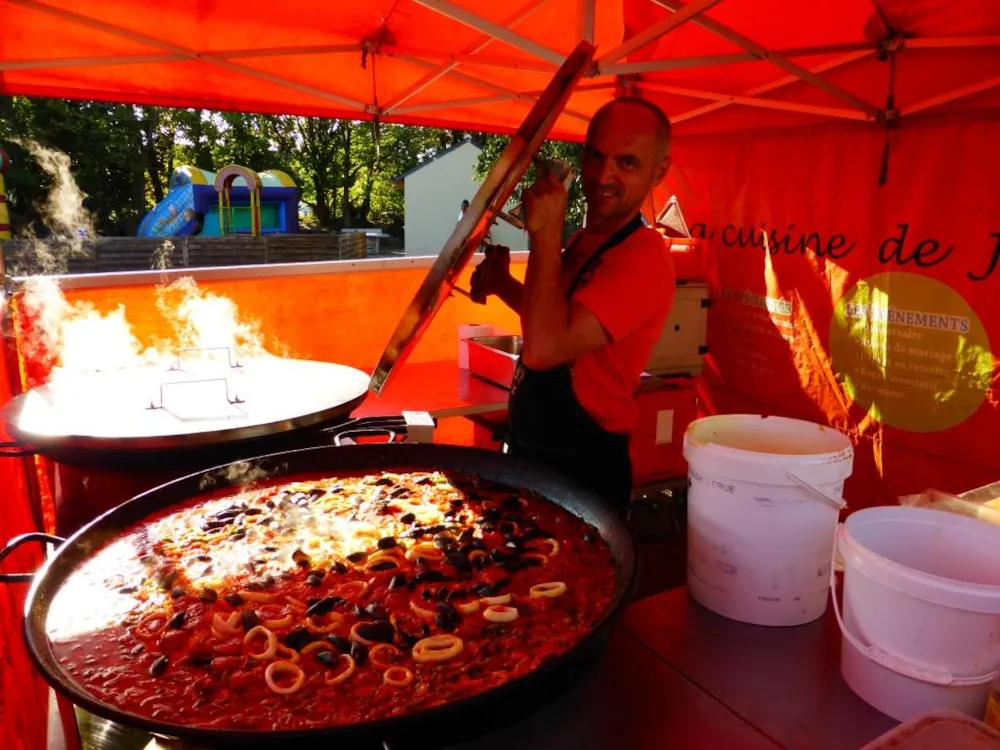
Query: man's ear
[{"x": 661, "y": 171}]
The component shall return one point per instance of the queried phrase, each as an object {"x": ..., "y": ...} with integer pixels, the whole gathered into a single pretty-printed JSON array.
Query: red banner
[{"x": 856, "y": 283}]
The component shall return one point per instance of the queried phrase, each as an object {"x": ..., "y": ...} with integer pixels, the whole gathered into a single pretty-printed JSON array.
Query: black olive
[
  {"x": 445, "y": 622},
  {"x": 204, "y": 558},
  {"x": 412, "y": 534},
  {"x": 253, "y": 511},
  {"x": 511, "y": 502},
  {"x": 399, "y": 492},
  {"x": 359, "y": 652},
  {"x": 234, "y": 599},
  {"x": 317, "y": 492},
  {"x": 383, "y": 565},
  {"x": 435, "y": 529},
  {"x": 426, "y": 594},
  {"x": 451, "y": 513},
  {"x": 384, "y": 481},
  {"x": 589, "y": 538},
  {"x": 255, "y": 585},
  {"x": 241, "y": 534},
  {"x": 200, "y": 660},
  {"x": 128, "y": 589},
  {"x": 249, "y": 618},
  {"x": 299, "y": 638},
  {"x": 137, "y": 650},
  {"x": 339, "y": 642},
  {"x": 487, "y": 528},
  {"x": 301, "y": 559},
  {"x": 313, "y": 580},
  {"x": 501, "y": 584},
  {"x": 165, "y": 579},
  {"x": 380, "y": 631},
  {"x": 322, "y": 606},
  {"x": 513, "y": 544},
  {"x": 328, "y": 658},
  {"x": 457, "y": 503},
  {"x": 535, "y": 533},
  {"x": 210, "y": 526},
  {"x": 397, "y": 581},
  {"x": 483, "y": 589},
  {"x": 492, "y": 514},
  {"x": 268, "y": 580},
  {"x": 386, "y": 542},
  {"x": 466, "y": 536},
  {"x": 425, "y": 481},
  {"x": 269, "y": 503},
  {"x": 507, "y": 527},
  {"x": 406, "y": 640},
  {"x": 159, "y": 666},
  {"x": 443, "y": 542},
  {"x": 429, "y": 576},
  {"x": 300, "y": 499},
  {"x": 177, "y": 592},
  {"x": 358, "y": 612},
  {"x": 408, "y": 518},
  {"x": 459, "y": 562},
  {"x": 377, "y": 611},
  {"x": 356, "y": 557},
  {"x": 177, "y": 621}
]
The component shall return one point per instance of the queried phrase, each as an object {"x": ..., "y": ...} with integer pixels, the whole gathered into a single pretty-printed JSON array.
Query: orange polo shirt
[{"x": 630, "y": 290}]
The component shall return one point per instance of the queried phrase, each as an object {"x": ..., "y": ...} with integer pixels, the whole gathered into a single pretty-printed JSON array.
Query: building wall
[{"x": 433, "y": 198}]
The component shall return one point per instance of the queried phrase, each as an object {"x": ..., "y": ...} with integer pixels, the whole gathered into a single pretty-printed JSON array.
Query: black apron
[{"x": 549, "y": 426}]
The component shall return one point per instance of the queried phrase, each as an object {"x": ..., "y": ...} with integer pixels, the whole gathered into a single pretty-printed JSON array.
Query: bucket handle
[
  {"x": 897, "y": 664},
  {"x": 838, "y": 503}
]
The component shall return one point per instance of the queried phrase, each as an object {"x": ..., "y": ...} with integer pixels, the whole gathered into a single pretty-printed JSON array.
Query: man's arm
[
  {"x": 555, "y": 332},
  {"x": 511, "y": 293}
]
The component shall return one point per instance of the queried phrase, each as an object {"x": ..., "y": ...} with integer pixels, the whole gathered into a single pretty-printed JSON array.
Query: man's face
[
  {"x": 465, "y": 205},
  {"x": 621, "y": 164}
]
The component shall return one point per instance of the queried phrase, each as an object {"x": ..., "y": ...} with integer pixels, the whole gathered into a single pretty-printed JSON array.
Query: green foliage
[
  {"x": 571, "y": 153},
  {"x": 122, "y": 157}
]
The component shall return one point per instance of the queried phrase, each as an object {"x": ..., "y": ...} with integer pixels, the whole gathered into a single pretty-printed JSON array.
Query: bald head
[
  {"x": 641, "y": 114},
  {"x": 624, "y": 158}
]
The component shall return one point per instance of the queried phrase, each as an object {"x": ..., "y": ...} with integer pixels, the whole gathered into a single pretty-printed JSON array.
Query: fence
[{"x": 134, "y": 253}]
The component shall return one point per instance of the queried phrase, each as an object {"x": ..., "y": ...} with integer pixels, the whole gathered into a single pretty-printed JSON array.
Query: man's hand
[
  {"x": 545, "y": 206},
  {"x": 491, "y": 274}
]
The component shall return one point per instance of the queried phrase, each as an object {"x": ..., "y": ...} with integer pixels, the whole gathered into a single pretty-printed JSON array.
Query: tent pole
[
  {"x": 190, "y": 54},
  {"x": 495, "y": 30},
  {"x": 781, "y": 61},
  {"x": 653, "y": 66},
  {"x": 975, "y": 88},
  {"x": 472, "y": 49},
  {"x": 847, "y": 114},
  {"x": 952, "y": 42},
  {"x": 773, "y": 85},
  {"x": 458, "y": 58},
  {"x": 587, "y": 14},
  {"x": 657, "y": 30}
]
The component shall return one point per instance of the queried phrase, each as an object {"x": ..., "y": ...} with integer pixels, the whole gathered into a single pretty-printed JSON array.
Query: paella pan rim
[{"x": 560, "y": 490}]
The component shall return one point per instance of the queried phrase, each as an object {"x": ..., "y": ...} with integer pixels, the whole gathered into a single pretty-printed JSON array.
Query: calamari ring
[
  {"x": 398, "y": 677},
  {"x": 551, "y": 589},
  {"x": 284, "y": 667},
  {"x": 437, "y": 648},
  {"x": 272, "y": 642},
  {"x": 338, "y": 678}
]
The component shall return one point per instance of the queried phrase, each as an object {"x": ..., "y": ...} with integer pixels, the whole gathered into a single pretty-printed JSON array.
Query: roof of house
[{"x": 398, "y": 180}]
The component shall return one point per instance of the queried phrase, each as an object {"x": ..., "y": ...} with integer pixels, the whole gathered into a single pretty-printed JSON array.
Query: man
[
  {"x": 590, "y": 315},
  {"x": 465, "y": 207}
]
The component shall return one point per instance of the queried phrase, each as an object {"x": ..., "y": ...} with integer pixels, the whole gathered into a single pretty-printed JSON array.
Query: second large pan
[{"x": 460, "y": 718}]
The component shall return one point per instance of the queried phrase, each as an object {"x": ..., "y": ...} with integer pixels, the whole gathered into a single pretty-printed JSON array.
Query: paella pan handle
[
  {"x": 15, "y": 450},
  {"x": 392, "y": 427},
  {"x": 13, "y": 544}
]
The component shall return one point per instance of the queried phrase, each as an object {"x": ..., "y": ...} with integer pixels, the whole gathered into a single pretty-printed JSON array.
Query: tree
[{"x": 572, "y": 153}]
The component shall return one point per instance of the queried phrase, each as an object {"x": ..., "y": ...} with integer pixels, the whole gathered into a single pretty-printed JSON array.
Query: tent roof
[{"x": 713, "y": 65}]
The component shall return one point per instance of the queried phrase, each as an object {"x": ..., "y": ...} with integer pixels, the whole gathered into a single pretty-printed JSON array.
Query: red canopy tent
[{"x": 840, "y": 158}]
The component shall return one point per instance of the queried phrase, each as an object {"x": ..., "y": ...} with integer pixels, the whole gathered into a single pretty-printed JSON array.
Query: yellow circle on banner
[{"x": 911, "y": 351}]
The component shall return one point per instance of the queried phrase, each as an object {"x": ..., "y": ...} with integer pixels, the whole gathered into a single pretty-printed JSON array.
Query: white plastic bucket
[
  {"x": 921, "y": 613},
  {"x": 763, "y": 502}
]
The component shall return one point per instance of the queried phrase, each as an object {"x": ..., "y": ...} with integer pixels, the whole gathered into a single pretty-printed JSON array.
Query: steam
[
  {"x": 62, "y": 214},
  {"x": 65, "y": 337},
  {"x": 162, "y": 257},
  {"x": 241, "y": 474}
]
